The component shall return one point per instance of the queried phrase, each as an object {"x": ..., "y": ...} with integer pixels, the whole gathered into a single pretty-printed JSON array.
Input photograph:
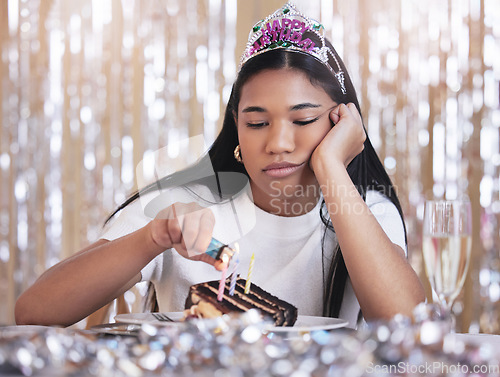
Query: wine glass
[{"x": 447, "y": 241}]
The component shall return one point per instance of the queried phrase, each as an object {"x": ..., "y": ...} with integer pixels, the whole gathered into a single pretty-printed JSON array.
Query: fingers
[
  {"x": 159, "y": 229},
  {"x": 348, "y": 136},
  {"x": 334, "y": 115},
  {"x": 186, "y": 227},
  {"x": 340, "y": 112},
  {"x": 345, "y": 110},
  {"x": 217, "y": 263},
  {"x": 174, "y": 226},
  {"x": 197, "y": 231}
]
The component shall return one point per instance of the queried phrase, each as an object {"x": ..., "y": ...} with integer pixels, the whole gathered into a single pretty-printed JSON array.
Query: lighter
[{"x": 218, "y": 250}]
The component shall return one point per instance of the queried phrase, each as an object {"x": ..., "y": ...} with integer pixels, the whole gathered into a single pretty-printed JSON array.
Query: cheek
[
  {"x": 249, "y": 141},
  {"x": 322, "y": 133},
  {"x": 314, "y": 137},
  {"x": 243, "y": 134},
  {"x": 248, "y": 149}
]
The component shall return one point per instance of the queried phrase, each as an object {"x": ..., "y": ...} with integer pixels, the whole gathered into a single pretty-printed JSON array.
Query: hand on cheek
[
  {"x": 334, "y": 117},
  {"x": 345, "y": 140}
]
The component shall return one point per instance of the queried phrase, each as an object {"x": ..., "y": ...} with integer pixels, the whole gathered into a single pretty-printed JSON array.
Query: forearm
[
  {"x": 77, "y": 286},
  {"x": 383, "y": 280}
]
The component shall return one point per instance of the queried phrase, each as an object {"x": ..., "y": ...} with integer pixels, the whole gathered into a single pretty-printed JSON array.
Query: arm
[
  {"x": 81, "y": 284},
  {"x": 383, "y": 280}
]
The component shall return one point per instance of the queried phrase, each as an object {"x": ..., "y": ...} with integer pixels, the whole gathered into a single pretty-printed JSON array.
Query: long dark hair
[{"x": 366, "y": 170}]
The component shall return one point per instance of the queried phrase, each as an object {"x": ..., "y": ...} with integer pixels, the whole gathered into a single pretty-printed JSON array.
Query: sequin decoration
[{"x": 90, "y": 88}]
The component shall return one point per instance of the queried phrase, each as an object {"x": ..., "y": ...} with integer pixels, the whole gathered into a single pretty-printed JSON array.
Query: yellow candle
[{"x": 249, "y": 277}]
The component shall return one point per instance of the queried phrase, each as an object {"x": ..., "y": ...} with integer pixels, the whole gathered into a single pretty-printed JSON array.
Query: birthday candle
[
  {"x": 235, "y": 267},
  {"x": 222, "y": 282},
  {"x": 250, "y": 269}
]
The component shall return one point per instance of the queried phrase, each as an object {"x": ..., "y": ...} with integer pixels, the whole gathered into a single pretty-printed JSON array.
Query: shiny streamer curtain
[{"x": 90, "y": 88}]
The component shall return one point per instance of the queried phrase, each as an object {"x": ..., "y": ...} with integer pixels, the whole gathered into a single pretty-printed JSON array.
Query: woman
[{"x": 328, "y": 234}]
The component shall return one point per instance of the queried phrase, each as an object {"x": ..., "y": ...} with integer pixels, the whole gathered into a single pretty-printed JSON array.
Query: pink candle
[{"x": 222, "y": 282}]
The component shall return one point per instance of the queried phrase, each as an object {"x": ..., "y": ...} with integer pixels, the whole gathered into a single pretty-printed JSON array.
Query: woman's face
[{"x": 281, "y": 119}]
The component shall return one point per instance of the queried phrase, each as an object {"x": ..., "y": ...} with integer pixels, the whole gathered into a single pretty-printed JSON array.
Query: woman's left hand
[{"x": 344, "y": 141}]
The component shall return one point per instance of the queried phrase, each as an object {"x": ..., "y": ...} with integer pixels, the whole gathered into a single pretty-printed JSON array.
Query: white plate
[
  {"x": 24, "y": 330},
  {"x": 140, "y": 318},
  {"x": 304, "y": 323},
  {"x": 474, "y": 339},
  {"x": 117, "y": 329}
]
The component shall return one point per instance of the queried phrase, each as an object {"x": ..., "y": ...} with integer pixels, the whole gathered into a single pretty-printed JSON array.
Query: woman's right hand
[
  {"x": 344, "y": 141},
  {"x": 188, "y": 228}
]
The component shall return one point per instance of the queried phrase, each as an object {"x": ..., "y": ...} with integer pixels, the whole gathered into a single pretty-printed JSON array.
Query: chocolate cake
[{"x": 202, "y": 301}]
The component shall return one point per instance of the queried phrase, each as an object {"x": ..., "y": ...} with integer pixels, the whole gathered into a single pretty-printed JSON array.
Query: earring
[{"x": 237, "y": 154}]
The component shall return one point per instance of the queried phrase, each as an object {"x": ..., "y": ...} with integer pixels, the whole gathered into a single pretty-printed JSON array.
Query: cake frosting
[{"x": 202, "y": 302}]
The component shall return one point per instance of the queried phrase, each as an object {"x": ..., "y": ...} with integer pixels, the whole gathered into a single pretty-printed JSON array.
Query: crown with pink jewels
[{"x": 285, "y": 29}]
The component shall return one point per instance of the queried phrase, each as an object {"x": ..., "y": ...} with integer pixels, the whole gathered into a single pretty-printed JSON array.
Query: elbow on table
[
  {"x": 23, "y": 313},
  {"x": 27, "y": 313},
  {"x": 411, "y": 302},
  {"x": 401, "y": 304}
]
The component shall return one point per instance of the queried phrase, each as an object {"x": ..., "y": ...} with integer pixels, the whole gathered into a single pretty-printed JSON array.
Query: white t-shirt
[{"x": 289, "y": 261}]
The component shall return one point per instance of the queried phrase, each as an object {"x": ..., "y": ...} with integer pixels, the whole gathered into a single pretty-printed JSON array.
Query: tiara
[{"x": 284, "y": 29}]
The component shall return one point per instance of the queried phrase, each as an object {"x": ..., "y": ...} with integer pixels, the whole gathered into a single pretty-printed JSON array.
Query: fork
[{"x": 162, "y": 317}]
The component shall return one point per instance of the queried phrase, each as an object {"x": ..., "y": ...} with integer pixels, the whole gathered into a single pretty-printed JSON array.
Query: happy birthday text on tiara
[{"x": 281, "y": 30}]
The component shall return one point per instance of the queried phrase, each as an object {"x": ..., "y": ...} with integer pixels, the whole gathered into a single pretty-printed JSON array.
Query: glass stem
[{"x": 447, "y": 308}]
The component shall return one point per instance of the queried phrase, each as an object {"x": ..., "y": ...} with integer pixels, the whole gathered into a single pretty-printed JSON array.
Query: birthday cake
[{"x": 202, "y": 302}]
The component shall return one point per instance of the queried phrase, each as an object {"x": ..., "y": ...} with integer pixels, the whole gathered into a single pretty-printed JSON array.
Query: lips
[{"x": 281, "y": 169}]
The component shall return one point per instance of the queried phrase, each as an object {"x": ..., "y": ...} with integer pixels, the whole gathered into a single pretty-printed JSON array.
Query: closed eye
[
  {"x": 257, "y": 125},
  {"x": 297, "y": 122},
  {"x": 306, "y": 122}
]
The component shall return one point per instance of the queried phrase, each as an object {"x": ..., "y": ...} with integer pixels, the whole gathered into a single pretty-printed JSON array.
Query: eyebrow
[
  {"x": 253, "y": 109},
  {"x": 300, "y": 106}
]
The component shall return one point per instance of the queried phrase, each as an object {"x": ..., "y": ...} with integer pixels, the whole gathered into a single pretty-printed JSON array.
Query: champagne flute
[{"x": 447, "y": 241}]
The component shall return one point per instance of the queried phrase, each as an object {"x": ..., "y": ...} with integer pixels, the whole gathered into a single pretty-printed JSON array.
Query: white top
[{"x": 288, "y": 252}]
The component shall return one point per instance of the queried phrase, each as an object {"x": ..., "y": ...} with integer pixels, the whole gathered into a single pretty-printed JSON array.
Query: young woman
[{"x": 326, "y": 225}]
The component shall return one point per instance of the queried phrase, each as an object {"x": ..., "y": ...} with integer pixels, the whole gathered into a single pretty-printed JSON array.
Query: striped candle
[
  {"x": 222, "y": 282},
  {"x": 234, "y": 276},
  {"x": 249, "y": 277}
]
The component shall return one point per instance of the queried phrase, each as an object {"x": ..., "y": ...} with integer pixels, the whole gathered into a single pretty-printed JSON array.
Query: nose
[{"x": 280, "y": 138}]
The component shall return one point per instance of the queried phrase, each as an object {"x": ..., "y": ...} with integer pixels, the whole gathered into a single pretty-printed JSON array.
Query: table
[{"x": 239, "y": 346}]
